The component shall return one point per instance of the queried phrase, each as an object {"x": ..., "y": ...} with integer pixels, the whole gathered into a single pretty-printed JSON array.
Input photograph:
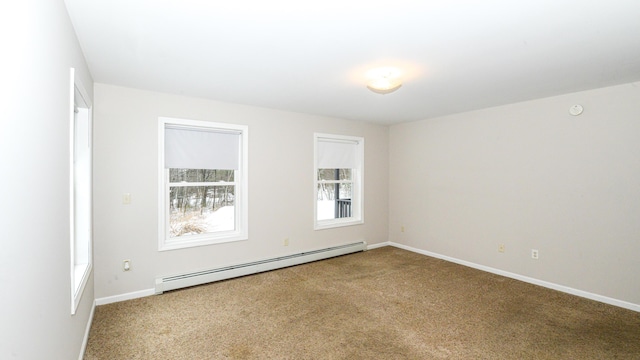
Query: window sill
[
  {"x": 336, "y": 223},
  {"x": 184, "y": 244},
  {"x": 81, "y": 276}
]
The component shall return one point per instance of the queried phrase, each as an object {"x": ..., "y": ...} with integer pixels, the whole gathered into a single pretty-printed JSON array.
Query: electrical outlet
[
  {"x": 285, "y": 242},
  {"x": 534, "y": 254},
  {"x": 126, "y": 265},
  {"x": 126, "y": 199},
  {"x": 402, "y": 228},
  {"x": 501, "y": 248}
]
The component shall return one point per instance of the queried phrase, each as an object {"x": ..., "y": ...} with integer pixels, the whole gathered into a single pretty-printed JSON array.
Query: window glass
[
  {"x": 201, "y": 209},
  {"x": 330, "y": 174}
]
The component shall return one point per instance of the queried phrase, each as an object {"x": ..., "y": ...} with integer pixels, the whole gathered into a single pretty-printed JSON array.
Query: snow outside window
[
  {"x": 338, "y": 180},
  {"x": 203, "y": 172}
]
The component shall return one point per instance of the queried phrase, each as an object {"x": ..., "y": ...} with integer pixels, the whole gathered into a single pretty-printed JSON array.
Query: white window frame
[
  {"x": 80, "y": 194},
  {"x": 357, "y": 200},
  {"x": 241, "y": 231}
]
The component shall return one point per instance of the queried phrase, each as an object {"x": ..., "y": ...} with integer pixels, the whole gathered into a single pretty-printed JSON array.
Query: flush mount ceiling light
[{"x": 384, "y": 80}]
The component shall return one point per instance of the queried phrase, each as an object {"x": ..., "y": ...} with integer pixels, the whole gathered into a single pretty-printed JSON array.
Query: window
[
  {"x": 203, "y": 183},
  {"x": 338, "y": 174},
  {"x": 79, "y": 190}
]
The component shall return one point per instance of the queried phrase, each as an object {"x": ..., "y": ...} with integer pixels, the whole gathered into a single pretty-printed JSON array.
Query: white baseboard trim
[
  {"x": 308, "y": 256},
  {"x": 83, "y": 348},
  {"x": 124, "y": 297},
  {"x": 550, "y": 285},
  {"x": 378, "y": 245}
]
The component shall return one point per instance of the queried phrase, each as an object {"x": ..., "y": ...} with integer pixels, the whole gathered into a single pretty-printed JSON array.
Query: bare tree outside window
[{"x": 201, "y": 201}]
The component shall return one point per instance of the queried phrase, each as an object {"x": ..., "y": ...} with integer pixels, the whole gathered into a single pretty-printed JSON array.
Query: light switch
[{"x": 126, "y": 199}]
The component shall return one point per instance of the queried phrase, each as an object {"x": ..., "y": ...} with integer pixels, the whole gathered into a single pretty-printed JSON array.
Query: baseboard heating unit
[{"x": 202, "y": 277}]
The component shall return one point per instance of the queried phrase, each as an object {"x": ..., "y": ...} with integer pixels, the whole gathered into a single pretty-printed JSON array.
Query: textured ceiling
[{"x": 311, "y": 57}]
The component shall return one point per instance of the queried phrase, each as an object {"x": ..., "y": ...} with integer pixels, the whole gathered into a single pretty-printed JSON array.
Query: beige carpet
[{"x": 381, "y": 304}]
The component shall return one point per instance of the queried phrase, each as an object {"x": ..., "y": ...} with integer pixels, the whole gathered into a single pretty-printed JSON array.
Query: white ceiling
[{"x": 310, "y": 57}]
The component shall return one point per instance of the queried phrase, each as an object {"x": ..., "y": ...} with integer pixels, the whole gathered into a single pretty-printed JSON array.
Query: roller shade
[
  {"x": 337, "y": 154},
  {"x": 201, "y": 148}
]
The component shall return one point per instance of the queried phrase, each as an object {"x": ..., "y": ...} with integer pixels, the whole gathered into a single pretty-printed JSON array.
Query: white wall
[
  {"x": 528, "y": 175},
  {"x": 38, "y": 48},
  {"x": 280, "y": 186}
]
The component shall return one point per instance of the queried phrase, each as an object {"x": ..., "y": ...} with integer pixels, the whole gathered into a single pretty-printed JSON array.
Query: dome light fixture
[{"x": 384, "y": 80}]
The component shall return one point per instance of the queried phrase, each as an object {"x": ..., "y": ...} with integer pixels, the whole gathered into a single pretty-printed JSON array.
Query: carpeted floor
[{"x": 381, "y": 304}]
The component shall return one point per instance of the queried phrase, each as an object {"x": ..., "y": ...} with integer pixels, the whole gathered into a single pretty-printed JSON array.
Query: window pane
[
  {"x": 200, "y": 175},
  {"x": 330, "y": 174},
  {"x": 334, "y": 201},
  {"x": 201, "y": 209}
]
